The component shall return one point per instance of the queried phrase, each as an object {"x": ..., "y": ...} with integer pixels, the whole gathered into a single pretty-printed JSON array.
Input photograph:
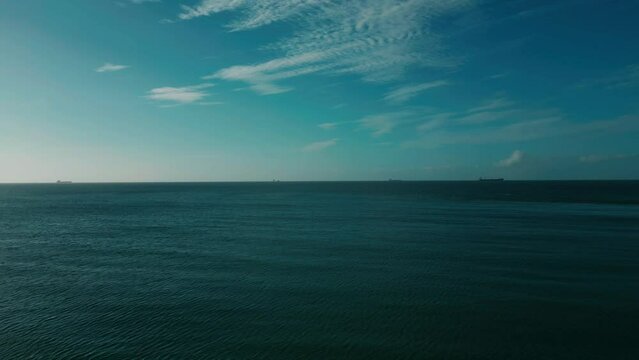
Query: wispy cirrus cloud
[
  {"x": 262, "y": 78},
  {"x": 515, "y": 158},
  {"x": 137, "y": 2},
  {"x": 405, "y": 93},
  {"x": 256, "y": 13},
  {"x": 526, "y": 129},
  {"x": 493, "y": 104},
  {"x": 179, "y": 95},
  {"x": 375, "y": 39},
  {"x": 624, "y": 78},
  {"x": 377, "y": 124},
  {"x": 501, "y": 121},
  {"x": 489, "y": 113},
  {"x": 328, "y": 125},
  {"x": 320, "y": 145},
  {"x": 382, "y": 124},
  {"x": 108, "y": 67},
  {"x": 490, "y": 116},
  {"x": 435, "y": 121},
  {"x": 498, "y": 76},
  {"x": 492, "y": 110},
  {"x": 603, "y": 158}
]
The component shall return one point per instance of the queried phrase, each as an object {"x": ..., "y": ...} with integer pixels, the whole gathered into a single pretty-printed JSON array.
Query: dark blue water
[{"x": 432, "y": 270}]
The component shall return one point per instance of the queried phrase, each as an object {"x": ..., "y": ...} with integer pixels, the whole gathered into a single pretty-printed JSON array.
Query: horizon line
[{"x": 292, "y": 181}]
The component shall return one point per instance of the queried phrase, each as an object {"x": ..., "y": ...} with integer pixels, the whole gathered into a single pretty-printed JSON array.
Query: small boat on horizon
[
  {"x": 63, "y": 182},
  {"x": 491, "y": 179}
]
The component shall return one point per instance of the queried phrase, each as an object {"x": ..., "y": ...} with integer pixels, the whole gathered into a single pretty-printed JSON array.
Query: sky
[{"x": 254, "y": 90}]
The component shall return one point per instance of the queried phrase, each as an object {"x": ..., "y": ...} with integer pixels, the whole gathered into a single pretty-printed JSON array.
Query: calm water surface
[{"x": 424, "y": 270}]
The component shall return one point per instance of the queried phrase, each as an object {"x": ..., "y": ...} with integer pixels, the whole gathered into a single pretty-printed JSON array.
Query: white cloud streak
[
  {"x": 490, "y": 116},
  {"x": 526, "y": 129},
  {"x": 262, "y": 78},
  {"x": 408, "y": 92},
  {"x": 494, "y": 104},
  {"x": 434, "y": 121},
  {"x": 179, "y": 95},
  {"x": 498, "y": 76},
  {"x": 328, "y": 126},
  {"x": 383, "y": 123},
  {"x": 602, "y": 158},
  {"x": 375, "y": 39},
  {"x": 108, "y": 67},
  {"x": 515, "y": 158},
  {"x": 320, "y": 145},
  {"x": 624, "y": 78},
  {"x": 499, "y": 110}
]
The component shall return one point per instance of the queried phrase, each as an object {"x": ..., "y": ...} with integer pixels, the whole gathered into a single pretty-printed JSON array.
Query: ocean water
[{"x": 361, "y": 270}]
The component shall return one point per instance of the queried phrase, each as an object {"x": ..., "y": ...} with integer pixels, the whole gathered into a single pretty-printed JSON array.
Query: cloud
[
  {"x": 489, "y": 116},
  {"x": 320, "y": 145},
  {"x": 256, "y": 13},
  {"x": 179, "y": 95},
  {"x": 624, "y": 78},
  {"x": 526, "y": 129},
  {"x": 498, "y": 76},
  {"x": 603, "y": 158},
  {"x": 515, "y": 158},
  {"x": 261, "y": 78},
  {"x": 489, "y": 111},
  {"x": 377, "y": 40},
  {"x": 495, "y": 110},
  {"x": 327, "y": 126},
  {"x": 378, "y": 124},
  {"x": 498, "y": 103},
  {"x": 408, "y": 92},
  {"x": 435, "y": 121},
  {"x": 209, "y": 103},
  {"x": 108, "y": 67},
  {"x": 137, "y": 2},
  {"x": 383, "y": 123}
]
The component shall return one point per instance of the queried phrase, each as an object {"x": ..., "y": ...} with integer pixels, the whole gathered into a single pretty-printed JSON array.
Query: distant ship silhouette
[{"x": 63, "y": 182}]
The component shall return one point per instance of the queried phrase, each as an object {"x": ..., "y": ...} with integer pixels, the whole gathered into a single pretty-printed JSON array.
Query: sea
[{"x": 320, "y": 270}]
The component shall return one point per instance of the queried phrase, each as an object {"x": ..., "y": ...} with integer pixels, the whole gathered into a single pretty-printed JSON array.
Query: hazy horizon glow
[{"x": 228, "y": 90}]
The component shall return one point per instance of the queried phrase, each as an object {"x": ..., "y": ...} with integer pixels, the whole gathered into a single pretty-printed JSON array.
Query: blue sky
[{"x": 219, "y": 90}]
